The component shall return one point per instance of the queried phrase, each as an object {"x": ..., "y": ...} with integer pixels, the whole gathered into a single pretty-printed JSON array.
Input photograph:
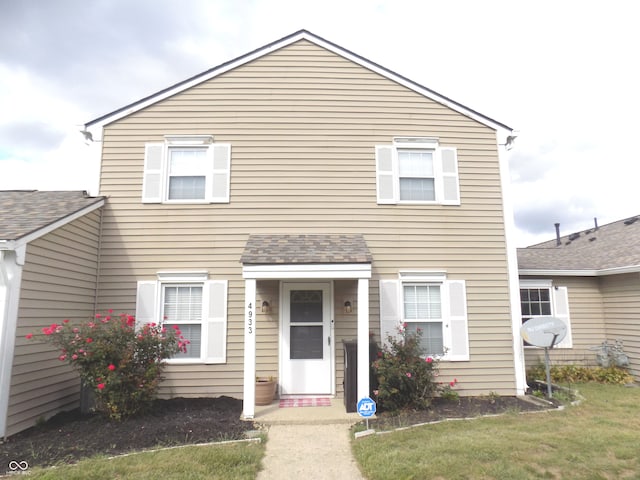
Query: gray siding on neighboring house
[
  {"x": 303, "y": 124},
  {"x": 621, "y": 298},
  {"x": 587, "y": 323},
  {"x": 58, "y": 282}
]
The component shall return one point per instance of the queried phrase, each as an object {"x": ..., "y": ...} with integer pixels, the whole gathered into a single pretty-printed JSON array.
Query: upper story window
[
  {"x": 186, "y": 169},
  {"x": 417, "y": 170}
]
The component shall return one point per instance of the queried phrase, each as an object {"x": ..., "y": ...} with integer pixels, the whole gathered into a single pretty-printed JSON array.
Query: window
[
  {"x": 417, "y": 170},
  {"x": 539, "y": 298},
  {"x": 187, "y": 173},
  {"x": 182, "y": 308},
  {"x": 431, "y": 303},
  {"x": 423, "y": 311},
  {"x": 194, "y": 304},
  {"x": 416, "y": 175},
  {"x": 186, "y": 169}
]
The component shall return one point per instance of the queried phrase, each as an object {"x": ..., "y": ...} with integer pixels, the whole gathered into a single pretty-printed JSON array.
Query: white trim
[
  {"x": 536, "y": 283},
  {"x": 96, "y": 126},
  {"x": 188, "y": 140},
  {"x": 435, "y": 276},
  {"x": 178, "y": 276},
  {"x": 418, "y": 143},
  {"x": 580, "y": 273},
  {"x": 10, "y": 285},
  {"x": 249, "y": 388},
  {"x": 316, "y": 270},
  {"x": 512, "y": 266},
  {"x": 16, "y": 244},
  {"x": 362, "y": 388}
]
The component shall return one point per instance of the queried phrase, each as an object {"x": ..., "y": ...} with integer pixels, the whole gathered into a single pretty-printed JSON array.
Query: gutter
[{"x": 580, "y": 273}]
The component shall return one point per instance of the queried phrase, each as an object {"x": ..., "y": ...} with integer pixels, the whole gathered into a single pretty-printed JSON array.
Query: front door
[{"x": 305, "y": 353}]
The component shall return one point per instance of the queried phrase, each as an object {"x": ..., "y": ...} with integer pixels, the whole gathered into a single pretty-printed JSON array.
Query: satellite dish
[{"x": 543, "y": 331}]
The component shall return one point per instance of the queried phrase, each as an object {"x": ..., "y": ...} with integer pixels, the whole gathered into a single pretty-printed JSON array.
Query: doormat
[{"x": 305, "y": 402}]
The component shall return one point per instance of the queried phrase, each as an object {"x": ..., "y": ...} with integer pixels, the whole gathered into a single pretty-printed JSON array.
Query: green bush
[
  {"x": 121, "y": 365},
  {"x": 580, "y": 374},
  {"x": 406, "y": 377}
]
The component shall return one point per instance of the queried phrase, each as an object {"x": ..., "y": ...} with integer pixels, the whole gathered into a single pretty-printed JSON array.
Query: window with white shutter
[
  {"x": 431, "y": 303},
  {"x": 187, "y": 169},
  {"x": 197, "y": 307},
  {"x": 416, "y": 170},
  {"x": 541, "y": 299}
]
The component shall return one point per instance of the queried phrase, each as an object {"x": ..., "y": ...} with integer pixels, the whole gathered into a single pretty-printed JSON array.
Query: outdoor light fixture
[
  {"x": 347, "y": 307},
  {"x": 265, "y": 307}
]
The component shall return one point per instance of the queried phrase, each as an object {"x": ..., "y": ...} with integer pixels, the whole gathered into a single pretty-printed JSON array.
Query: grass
[
  {"x": 219, "y": 462},
  {"x": 596, "y": 440}
]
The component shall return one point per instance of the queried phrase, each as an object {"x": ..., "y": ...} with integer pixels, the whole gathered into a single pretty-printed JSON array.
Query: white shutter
[
  {"x": 561, "y": 310},
  {"x": 390, "y": 309},
  {"x": 386, "y": 182},
  {"x": 221, "y": 175},
  {"x": 449, "y": 180},
  {"x": 214, "y": 325},
  {"x": 146, "y": 303},
  {"x": 456, "y": 320},
  {"x": 152, "y": 177}
]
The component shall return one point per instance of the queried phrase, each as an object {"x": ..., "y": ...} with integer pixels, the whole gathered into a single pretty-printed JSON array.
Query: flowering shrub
[
  {"x": 121, "y": 365},
  {"x": 406, "y": 377}
]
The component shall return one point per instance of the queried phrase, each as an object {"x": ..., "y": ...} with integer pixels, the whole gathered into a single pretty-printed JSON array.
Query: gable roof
[
  {"x": 29, "y": 214},
  {"x": 609, "y": 249},
  {"x": 283, "y": 42},
  {"x": 305, "y": 249}
]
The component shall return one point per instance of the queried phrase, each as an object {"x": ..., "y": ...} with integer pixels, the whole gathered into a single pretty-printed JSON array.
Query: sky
[{"x": 564, "y": 74}]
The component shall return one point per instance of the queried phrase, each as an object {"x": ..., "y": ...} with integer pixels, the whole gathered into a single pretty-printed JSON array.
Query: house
[
  {"x": 48, "y": 271},
  {"x": 590, "y": 279},
  {"x": 300, "y": 196}
]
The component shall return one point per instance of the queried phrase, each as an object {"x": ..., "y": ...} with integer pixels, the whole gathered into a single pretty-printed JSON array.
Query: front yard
[{"x": 599, "y": 439}]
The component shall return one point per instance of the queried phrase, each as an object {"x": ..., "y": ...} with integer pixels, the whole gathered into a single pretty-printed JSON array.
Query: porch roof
[{"x": 305, "y": 249}]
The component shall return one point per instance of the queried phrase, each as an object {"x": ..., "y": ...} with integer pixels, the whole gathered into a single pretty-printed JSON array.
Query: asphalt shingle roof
[
  {"x": 306, "y": 249},
  {"x": 25, "y": 211},
  {"x": 613, "y": 245}
]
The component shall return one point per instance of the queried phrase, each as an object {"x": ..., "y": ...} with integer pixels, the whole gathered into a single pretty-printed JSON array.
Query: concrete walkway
[{"x": 308, "y": 442}]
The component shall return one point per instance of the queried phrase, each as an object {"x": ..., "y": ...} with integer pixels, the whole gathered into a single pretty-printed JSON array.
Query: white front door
[{"x": 306, "y": 346}]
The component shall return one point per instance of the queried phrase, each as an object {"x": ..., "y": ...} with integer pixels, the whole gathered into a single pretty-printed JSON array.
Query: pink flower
[
  {"x": 376, "y": 392},
  {"x": 408, "y": 374},
  {"x": 110, "y": 310},
  {"x": 100, "y": 386},
  {"x": 98, "y": 315},
  {"x": 175, "y": 327},
  {"x": 91, "y": 324},
  {"x": 66, "y": 320},
  {"x": 74, "y": 357},
  {"x": 429, "y": 360},
  {"x": 111, "y": 367},
  {"x": 62, "y": 358},
  {"x": 453, "y": 383},
  {"x": 89, "y": 340},
  {"x": 130, "y": 320},
  {"x": 29, "y": 336}
]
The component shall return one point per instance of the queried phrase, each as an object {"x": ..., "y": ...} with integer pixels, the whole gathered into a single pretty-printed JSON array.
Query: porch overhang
[{"x": 285, "y": 257}]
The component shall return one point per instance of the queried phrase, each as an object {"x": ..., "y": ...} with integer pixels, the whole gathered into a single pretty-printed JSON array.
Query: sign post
[
  {"x": 366, "y": 409},
  {"x": 545, "y": 332}
]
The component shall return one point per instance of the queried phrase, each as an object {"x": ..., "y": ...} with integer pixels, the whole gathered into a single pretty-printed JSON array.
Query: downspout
[
  {"x": 512, "y": 265},
  {"x": 11, "y": 263}
]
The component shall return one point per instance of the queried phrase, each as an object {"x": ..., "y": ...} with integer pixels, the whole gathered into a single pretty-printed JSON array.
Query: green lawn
[
  {"x": 599, "y": 439},
  {"x": 218, "y": 462}
]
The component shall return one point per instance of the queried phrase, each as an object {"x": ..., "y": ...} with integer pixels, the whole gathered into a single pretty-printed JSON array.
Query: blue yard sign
[{"x": 366, "y": 407}]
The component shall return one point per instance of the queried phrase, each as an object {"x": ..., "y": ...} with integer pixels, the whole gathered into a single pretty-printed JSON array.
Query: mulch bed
[
  {"x": 69, "y": 436},
  {"x": 464, "y": 407}
]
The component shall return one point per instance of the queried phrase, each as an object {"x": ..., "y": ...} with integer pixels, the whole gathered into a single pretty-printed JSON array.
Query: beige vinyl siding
[
  {"x": 621, "y": 297},
  {"x": 587, "y": 315},
  {"x": 58, "y": 282},
  {"x": 303, "y": 124}
]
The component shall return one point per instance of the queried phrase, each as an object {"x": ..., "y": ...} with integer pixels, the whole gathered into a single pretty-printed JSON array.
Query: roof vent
[
  {"x": 574, "y": 236},
  {"x": 631, "y": 220}
]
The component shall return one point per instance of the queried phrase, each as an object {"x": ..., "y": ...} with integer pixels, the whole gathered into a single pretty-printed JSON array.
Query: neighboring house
[
  {"x": 591, "y": 279},
  {"x": 299, "y": 196},
  {"x": 48, "y": 271}
]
